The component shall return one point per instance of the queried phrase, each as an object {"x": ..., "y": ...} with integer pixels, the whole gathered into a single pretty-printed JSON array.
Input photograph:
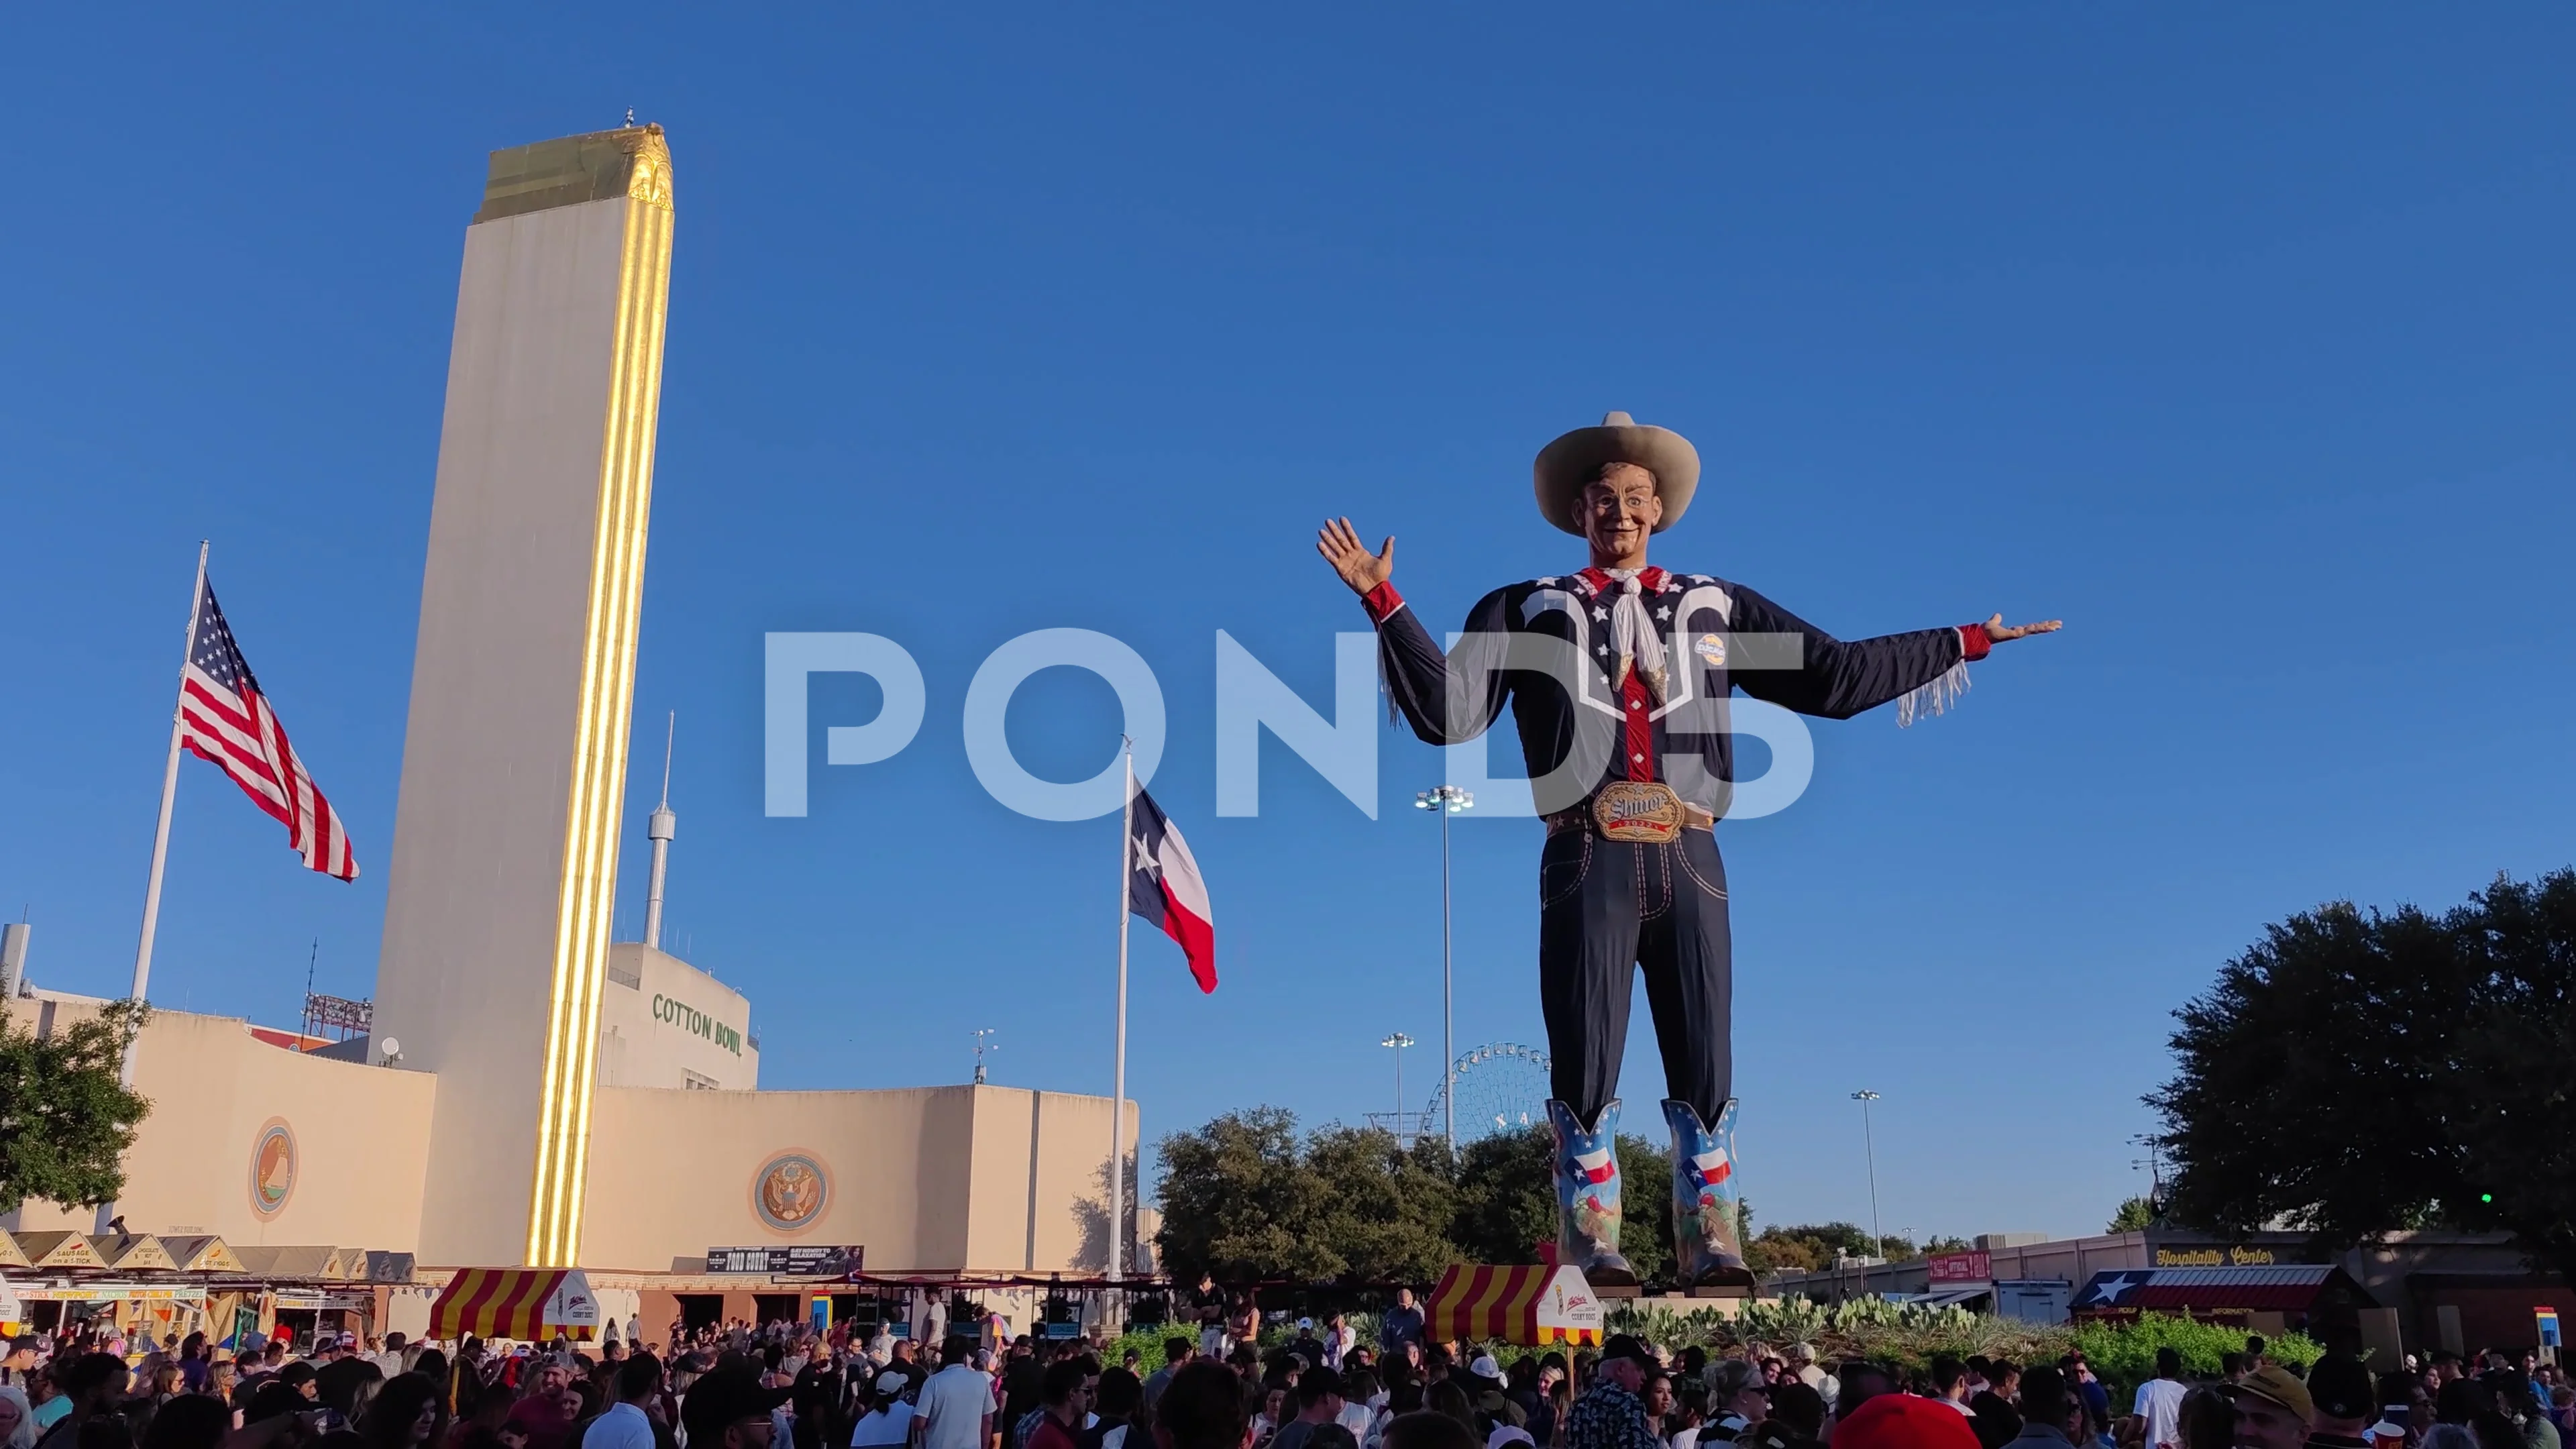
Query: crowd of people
[
  {"x": 2495, "y": 1401},
  {"x": 785, "y": 1386}
]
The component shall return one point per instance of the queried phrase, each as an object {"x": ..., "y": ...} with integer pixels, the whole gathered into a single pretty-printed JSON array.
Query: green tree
[
  {"x": 1246, "y": 1199},
  {"x": 64, "y": 1121},
  {"x": 2355, "y": 1073},
  {"x": 1774, "y": 1251},
  {"x": 1234, "y": 1197},
  {"x": 2135, "y": 1216},
  {"x": 1383, "y": 1213},
  {"x": 1947, "y": 1243},
  {"x": 1831, "y": 1240},
  {"x": 1505, "y": 1206}
]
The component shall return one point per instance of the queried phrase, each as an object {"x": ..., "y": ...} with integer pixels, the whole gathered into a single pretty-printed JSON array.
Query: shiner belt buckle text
[{"x": 1639, "y": 811}]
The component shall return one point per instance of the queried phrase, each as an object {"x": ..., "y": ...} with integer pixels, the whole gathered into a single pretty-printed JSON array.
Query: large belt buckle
[{"x": 1637, "y": 810}]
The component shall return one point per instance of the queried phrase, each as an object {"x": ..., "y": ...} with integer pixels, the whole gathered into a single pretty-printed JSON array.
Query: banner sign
[
  {"x": 1977, "y": 1267},
  {"x": 838, "y": 1261},
  {"x": 109, "y": 1293}
]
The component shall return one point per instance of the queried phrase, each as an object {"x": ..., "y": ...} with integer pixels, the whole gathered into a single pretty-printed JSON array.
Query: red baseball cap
[{"x": 1902, "y": 1421}]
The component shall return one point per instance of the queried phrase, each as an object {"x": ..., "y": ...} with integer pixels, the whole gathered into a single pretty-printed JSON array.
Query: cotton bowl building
[{"x": 531, "y": 1094}]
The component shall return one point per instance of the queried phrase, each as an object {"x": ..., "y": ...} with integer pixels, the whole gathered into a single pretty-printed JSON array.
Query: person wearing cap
[
  {"x": 2272, "y": 1409},
  {"x": 1610, "y": 1415},
  {"x": 1618, "y": 676},
  {"x": 889, "y": 1417},
  {"x": 1306, "y": 1345},
  {"x": 1803, "y": 1367},
  {"x": 2344, "y": 1402},
  {"x": 1489, "y": 1394}
]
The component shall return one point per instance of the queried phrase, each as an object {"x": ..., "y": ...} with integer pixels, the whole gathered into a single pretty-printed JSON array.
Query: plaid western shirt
[{"x": 1609, "y": 1417}]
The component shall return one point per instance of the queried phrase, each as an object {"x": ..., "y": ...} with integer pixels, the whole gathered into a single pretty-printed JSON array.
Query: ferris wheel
[{"x": 1501, "y": 1087}]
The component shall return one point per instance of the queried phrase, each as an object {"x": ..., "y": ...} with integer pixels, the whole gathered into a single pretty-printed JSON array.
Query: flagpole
[
  {"x": 161, "y": 831},
  {"x": 160, "y": 841},
  {"x": 1118, "y": 1089}
]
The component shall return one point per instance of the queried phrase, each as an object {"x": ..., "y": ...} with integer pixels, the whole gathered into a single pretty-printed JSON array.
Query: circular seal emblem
[
  {"x": 790, "y": 1191},
  {"x": 1711, "y": 648},
  {"x": 272, "y": 1167}
]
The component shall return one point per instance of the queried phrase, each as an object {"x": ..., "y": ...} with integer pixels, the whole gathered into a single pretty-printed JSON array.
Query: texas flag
[
  {"x": 1712, "y": 1167},
  {"x": 1163, "y": 886}
]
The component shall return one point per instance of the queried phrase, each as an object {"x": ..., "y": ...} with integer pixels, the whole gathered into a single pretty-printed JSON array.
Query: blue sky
[{"x": 2239, "y": 340}]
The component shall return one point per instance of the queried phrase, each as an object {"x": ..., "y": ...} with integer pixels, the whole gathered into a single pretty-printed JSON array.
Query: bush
[
  {"x": 1907, "y": 1336},
  {"x": 2125, "y": 1353}
]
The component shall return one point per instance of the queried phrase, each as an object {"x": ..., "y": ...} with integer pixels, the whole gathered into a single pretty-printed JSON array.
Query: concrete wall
[
  {"x": 478, "y": 870},
  {"x": 2074, "y": 1259},
  {"x": 663, "y": 1022},
  {"x": 936, "y": 1179},
  {"x": 358, "y": 1170}
]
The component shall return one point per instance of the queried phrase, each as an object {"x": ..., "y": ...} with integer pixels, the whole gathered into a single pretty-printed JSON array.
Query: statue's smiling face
[{"x": 1620, "y": 508}]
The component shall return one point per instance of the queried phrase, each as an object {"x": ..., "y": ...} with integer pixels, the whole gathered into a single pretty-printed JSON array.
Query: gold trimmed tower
[{"x": 504, "y": 870}]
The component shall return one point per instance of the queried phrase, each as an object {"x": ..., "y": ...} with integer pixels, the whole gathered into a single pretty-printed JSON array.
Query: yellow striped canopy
[
  {"x": 1480, "y": 1301},
  {"x": 515, "y": 1303}
]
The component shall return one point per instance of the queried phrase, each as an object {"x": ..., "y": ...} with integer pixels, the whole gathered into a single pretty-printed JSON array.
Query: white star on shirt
[
  {"x": 1600, "y": 613},
  {"x": 1547, "y": 583},
  {"x": 1601, "y": 649},
  {"x": 1665, "y": 612}
]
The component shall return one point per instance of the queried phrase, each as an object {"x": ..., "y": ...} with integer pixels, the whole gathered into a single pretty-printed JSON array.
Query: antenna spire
[
  {"x": 660, "y": 827},
  {"x": 670, "y": 733}
]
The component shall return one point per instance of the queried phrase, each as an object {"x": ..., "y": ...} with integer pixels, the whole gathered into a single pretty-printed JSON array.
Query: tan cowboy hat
[{"x": 1564, "y": 466}]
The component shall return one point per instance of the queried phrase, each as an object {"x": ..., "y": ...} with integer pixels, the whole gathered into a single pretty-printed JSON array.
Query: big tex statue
[{"x": 1618, "y": 677}]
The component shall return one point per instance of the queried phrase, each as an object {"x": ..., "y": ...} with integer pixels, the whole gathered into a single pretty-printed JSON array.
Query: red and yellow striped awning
[
  {"x": 1519, "y": 1304},
  {"x": 531, "y": 1305}
]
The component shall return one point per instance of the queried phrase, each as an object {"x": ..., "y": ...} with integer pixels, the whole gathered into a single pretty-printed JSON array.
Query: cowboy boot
[
  {"x": 1707, "y": 1202},
  {"x": 1587, "y": 1195}
]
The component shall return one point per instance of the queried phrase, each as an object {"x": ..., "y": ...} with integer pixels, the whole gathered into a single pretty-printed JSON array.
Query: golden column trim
[{"x": 595, "y": 810}]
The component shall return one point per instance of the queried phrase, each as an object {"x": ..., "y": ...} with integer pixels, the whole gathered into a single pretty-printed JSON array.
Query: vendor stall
[
  {"x": 1530, "y": 1306},
  {"x": 530, "y": 1305}
]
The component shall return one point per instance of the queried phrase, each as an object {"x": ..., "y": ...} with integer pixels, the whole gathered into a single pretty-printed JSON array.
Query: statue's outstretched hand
[
  {"x": 1998, "y": 631},
  {"x": 1340, "y": 545}
]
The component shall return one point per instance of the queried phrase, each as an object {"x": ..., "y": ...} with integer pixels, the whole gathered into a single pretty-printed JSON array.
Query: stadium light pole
[
  {"x": 1448, "y": 800},
  {"x": 1399, "y": 1041},
  {"x": 1869, "y": 1147}
]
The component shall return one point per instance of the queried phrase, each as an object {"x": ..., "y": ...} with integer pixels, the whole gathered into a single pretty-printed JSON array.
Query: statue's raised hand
[
  {"x": 1340, "y": 545},
  {"x": 1998, "y": 631}
]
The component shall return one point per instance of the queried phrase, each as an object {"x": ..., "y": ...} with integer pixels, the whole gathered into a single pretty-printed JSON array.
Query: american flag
[{"x": 224, "y": 718}]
